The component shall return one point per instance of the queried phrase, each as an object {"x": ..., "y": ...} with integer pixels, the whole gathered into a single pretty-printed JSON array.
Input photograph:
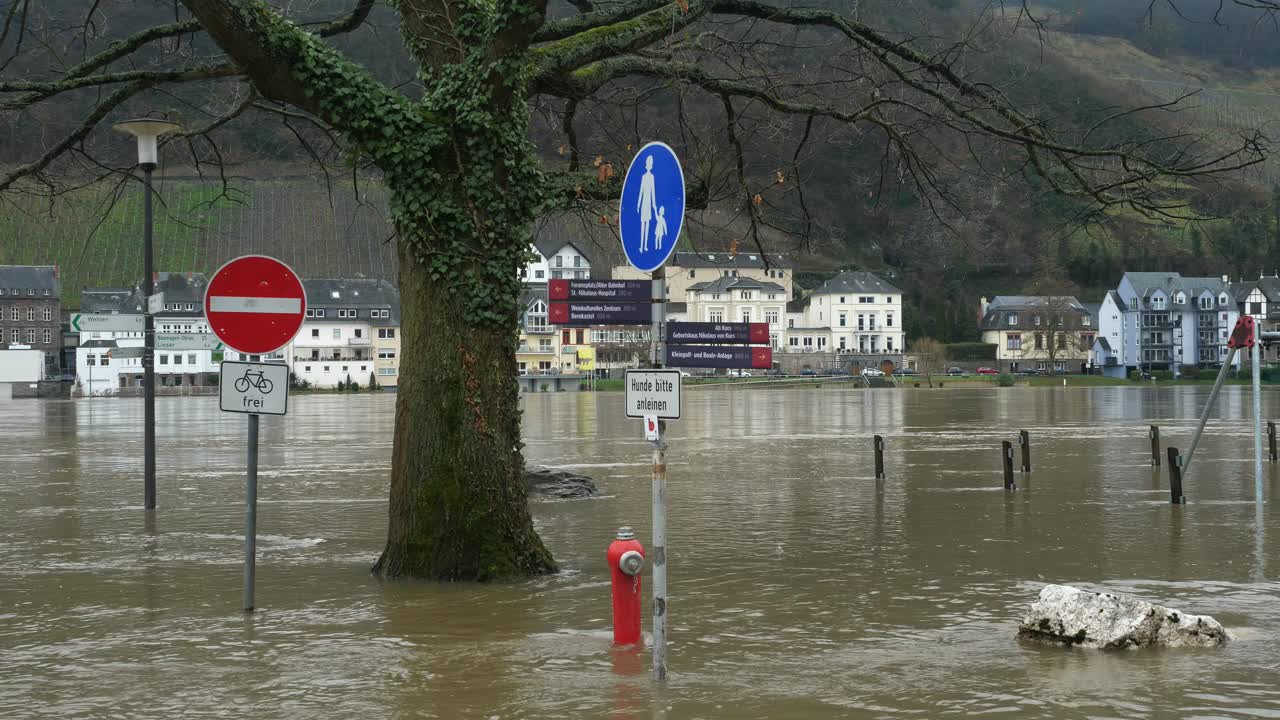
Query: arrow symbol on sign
[{"x": 75, "y": 322}]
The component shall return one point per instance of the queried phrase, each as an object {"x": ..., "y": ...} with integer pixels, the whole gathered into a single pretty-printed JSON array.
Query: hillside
[{"x": 1082, "y": 63}]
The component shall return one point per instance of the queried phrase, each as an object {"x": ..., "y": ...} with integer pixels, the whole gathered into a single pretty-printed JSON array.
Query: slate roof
[
  {"x": 727, "y": 261},
  {"x": 360, "y": 294},
  {"x": 1025, "y": 308},
  {"x": 30, "y": 277},
  {"x": 1270, "y": 287},
  {"x": 109, "y": 301},
  {"x": 855, "y": 282},
  {"x": 181, "y": 290},
  {"x": 1115, "y": 298},
  {"x": 98, "y": 344},
  {"x": 726, "y": 283},
  {"x": 1147, "y": 283}
]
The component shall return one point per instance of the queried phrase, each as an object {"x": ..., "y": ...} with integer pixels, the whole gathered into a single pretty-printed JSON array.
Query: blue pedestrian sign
[{"x": 652, "y": 208}]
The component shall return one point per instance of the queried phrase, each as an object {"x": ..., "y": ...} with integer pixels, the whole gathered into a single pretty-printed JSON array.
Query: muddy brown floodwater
[{"x": 799, "y": 588}]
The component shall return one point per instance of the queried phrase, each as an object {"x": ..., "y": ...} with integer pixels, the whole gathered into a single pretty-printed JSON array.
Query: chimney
[
  {"x": 1226, "y": 279},
  {"x": 982, "y": 304},
  {"x": 56, "y": 272}
]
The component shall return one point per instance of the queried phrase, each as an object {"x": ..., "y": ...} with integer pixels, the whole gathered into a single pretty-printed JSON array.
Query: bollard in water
[
  {"x": 1175, "y": 478},
  {"x": 1024, "y": 439},
  {"x": 626, "y": 558},
  {"x": 1006, "y": 449},
  {"x": 879, "y": 442},
  {"x": 1271, "y": 440},
  {"x": 1154, "y": 432}
]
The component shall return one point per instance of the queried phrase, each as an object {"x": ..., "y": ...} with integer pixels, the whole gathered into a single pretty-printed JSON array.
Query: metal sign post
[
  {"x": 255, "y": 306},
  {"x": 650, "y": 217},
  {"x": 659, "y": 546}
]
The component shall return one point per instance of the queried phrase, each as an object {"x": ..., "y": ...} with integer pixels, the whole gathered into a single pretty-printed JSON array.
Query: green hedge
[
  {"x": 971, "y": 351},
  {"x": 1005, "y": 380}
]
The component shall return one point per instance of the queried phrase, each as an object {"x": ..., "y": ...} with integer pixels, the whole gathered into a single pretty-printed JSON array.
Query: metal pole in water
[
  {"x": 659, "y": 545},
  {"x": 1154, "y": 432},
  {"x": 1024, "y": 439},
  {"x": 251, "y": 515},
  {"x": 1175, "y": 478},
  {"x": 879, "y": 443},
  {"x": 148, "y": 350},
  {"x": 1271, "y": 440},
  {"x": 1256, "y": 362},
  {"x": 1006, "y": 451},
  {"x": 1208, "y": 408}
]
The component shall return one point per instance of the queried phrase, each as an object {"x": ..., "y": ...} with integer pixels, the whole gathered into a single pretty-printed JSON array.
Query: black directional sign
[
  {"x": 638, "y": 291},
  {"x": 723, "y": 333},
  {"x": 601, "y": 313}
]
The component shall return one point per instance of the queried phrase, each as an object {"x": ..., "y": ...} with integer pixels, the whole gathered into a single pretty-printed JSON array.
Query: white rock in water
[{"x": 1071, "y": 616}]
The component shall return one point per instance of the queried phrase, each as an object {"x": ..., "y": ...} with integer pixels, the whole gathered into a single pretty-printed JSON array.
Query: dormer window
[
  {"x": 1037, "y": 320},
  {"x": 1222, "y": 299},
  {"x": 1157, "y": 302},
  {"x": 1179, "y": 298},
  {"x": 1013, "y": 319}
]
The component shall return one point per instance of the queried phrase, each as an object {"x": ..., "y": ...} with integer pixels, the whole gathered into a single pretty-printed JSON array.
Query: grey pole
[
  {"x": 148, "y": 351},
  {"x": 251, "y": 515},
  {"x": 659, "y": 548},
  {"x": 1208, "y": 407},
  {"x": 1256, "y": 361}
]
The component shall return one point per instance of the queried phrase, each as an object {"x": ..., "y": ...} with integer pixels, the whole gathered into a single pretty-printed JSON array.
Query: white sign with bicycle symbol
[{"x": 254, "y": 388}]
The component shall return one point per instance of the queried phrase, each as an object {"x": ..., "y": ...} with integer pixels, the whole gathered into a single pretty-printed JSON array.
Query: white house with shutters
[{"x": 851, "y": 313}]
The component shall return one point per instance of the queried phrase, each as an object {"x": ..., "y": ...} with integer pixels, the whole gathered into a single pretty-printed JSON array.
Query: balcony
[
  {"x": 359, "y": 341},
  {"x": 536, "y": 350},
  {"x": 332, "y": 359},
  {"x": 540, "y": 329}
]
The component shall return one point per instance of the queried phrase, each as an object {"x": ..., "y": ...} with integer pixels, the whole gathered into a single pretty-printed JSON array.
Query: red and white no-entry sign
[{"x": 255, "y": 304}]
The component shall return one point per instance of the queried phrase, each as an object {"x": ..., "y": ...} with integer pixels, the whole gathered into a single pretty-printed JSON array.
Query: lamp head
[{"x": 146, "y": 130}]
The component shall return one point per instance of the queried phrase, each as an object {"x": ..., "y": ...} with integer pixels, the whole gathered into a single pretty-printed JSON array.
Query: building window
[
  {"x": 48, "y": 336},
  {"x": 342, "y": 313},
  {"x": 310, "y": 312},
  {"x": 1039, "y": 341},
  {"x": 315, "y": 332},
  {"x": 1013, "y": 319},
  {"x": 888, "y": 320},
  {"x": 177, "y": 358},
  {"x": 559, "y": 261},
  {"x": 389, "y": 371},
  {"x": 337, "y": 333},
  {"x": 564, "y": 337},
  {"x": 326, "y": 368},
  {"x": 14, "y": 316},
  {"x": 90, "y": 360},
  {"x": 793, "y": 341},
  {"x": 164, "y": 359},
  {"x": 808, "y": 342},
  {"x": 715, "y": 316},
  {"x": 844, "y": 318},
  {"x": 359, "y": 332},
  {"x": 13, "y": 336},
  {"x": 1036, "y": 320},
  {"x": 746, "y": 294},
  {"x": 544, "y": 345},
  {"x": 319, "y": 312},
  {"x": 1255, "y": 308},
  {"x": 191, "y": 359},
  {"x": 387, "y": 333},
  {"x": 1013, "y": 342},
  {"x": 1085, "y": 320},
  {"x": 771, "y": 317},
  {"x": 31, "y": 336},
  {"x": 842, "y": 300},
  {"x": 48, "y": 314},
  {"x": 822, "y": 343},
  {"x": 31, "y": 291},
  {"x": 1157, "y": 302},
  {"x": 386, "y": 354}
]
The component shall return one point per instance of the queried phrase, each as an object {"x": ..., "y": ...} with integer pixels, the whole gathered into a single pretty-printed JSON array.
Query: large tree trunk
[{"x": 459, "y": 508}]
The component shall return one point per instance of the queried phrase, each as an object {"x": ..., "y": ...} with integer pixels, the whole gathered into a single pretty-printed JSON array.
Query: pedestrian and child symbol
[{"x": 652, "y": 206}]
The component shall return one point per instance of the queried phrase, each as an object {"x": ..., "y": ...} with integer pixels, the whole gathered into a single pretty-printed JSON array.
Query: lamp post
[{"x": 146, "y": 130}]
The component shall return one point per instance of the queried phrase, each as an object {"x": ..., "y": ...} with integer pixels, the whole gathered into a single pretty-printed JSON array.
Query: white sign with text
[
  {"x": 653, "y": 393},
  {"x": 254, "y": 388}
]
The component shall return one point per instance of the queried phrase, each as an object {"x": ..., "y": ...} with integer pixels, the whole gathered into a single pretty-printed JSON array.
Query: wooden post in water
[
  {"x": 1024, "y": 439},
  {"x": 879, "y": 441},
  {"x": 1155, "y": 445},
  {"x": 1271, "y": 440},
  {"x": 1175, "y": 478},
  {"x": 1006, "y": 451}
]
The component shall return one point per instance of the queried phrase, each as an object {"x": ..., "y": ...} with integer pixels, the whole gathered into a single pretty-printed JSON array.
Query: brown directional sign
[
  {"x": 710, "y": 356},
  {"x": 638, "y": 291},
  {"x": 718, "y": 333},
  {"x": 599, "y": 313}
]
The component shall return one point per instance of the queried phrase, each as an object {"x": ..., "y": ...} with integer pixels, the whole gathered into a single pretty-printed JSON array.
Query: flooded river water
[{"x": 799, "y": 587}]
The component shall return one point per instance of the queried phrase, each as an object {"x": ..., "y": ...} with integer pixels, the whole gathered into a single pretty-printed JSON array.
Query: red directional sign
[{"x": 255, "y": 304}]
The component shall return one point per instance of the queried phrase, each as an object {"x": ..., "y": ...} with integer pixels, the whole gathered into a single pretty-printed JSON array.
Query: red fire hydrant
[{"x": 626, "y": 557}]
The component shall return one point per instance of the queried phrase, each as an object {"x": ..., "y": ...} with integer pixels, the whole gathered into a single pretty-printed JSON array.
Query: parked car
[
  {"x": 987, "y": 371},
  {"x": 739, "y": 373},
  {"x": 905, "y": 371},
  {"x": 955, "y": 371},
  {"x": 808, "y": 371},
  {"x": 685, "y": 374},
  {"x": 774, "y": 372},
  {"x": 872, "y": 372}
]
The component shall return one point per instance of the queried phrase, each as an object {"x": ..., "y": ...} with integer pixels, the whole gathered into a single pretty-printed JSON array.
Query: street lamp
[{"x": 146, "y": 130}]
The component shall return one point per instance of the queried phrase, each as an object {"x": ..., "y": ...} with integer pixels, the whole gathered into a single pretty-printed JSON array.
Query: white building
[
  {"x": 556, "y": 261},
  {"x": 739, "y": 299},
  {"x": 851, "y": 313},
  {"x": 349, "y": 333}
]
